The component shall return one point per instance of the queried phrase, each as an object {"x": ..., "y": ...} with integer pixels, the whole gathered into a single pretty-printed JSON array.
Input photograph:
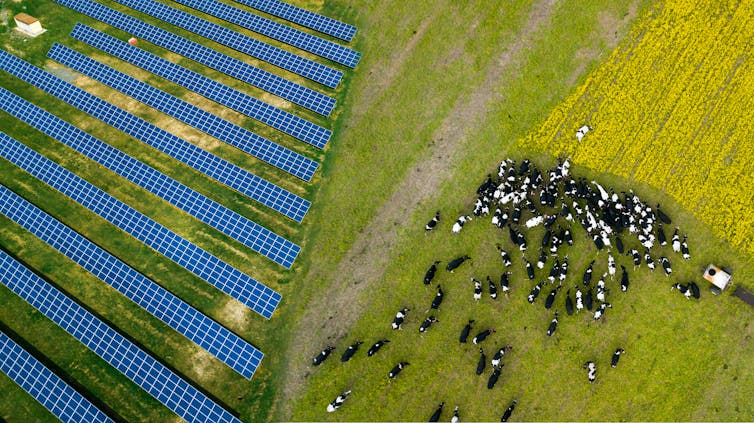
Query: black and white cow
[
  {"x": 432, "y": 223},
  {"x": 459, "y": 223},
  {"x": 492, "y": 287},
  {"x": 529, "y": 269},
  {"x": 437, "y": 300},
  {"x": 676, "y": 243},
  {"x": 601, "y": 310},
  {"x": 616, "y": 357},
  {"x": 624, "y": 279},
  {"x": 553, "y": 325},
  {"x": 376, "y": 347},
  {"x": 481, "y": 336},
  {"x": 587, "y": 279},
  {"x": 477, "y": 289},
  {"x": 504, "y": 255},
  {"x": 322, "y": 356},
  {"x": 683, "y": 289},
  {"x": 455, "y": 417},
  {"x": 494, "y": 377},
  {"x": 397, "y": 369},
  {"x": 465, "y": 332},
  {"x": 666, "y": 265},
  {"x": 430, "y": 273},
  {"x": 499, "y": 355},
  {"x": 427, "y": 323},
  {"x": 400, "y": 316},
  {"x": 505, "y": 281},
  {"x": 338, "y": 402},
  {"x": 591, "y": 371},
  {"x": 350, "y": 351},
  {"x": 611, "y": 265},
  {"x": 534, "y": 292},
  {"x": 509, "y": 411},
  {"x": 685, "y": 248}
]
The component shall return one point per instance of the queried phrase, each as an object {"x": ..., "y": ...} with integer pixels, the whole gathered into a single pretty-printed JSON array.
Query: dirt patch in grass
[
  {"x": 366, "y": 260},
  {"x": 612, "y": 28}
]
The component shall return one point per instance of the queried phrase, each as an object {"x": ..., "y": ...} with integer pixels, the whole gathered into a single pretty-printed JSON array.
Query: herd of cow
[{"x": 522, "y": 198}]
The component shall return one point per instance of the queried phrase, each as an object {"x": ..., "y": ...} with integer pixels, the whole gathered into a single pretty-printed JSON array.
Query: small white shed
[{"x": 29, "y": 25}]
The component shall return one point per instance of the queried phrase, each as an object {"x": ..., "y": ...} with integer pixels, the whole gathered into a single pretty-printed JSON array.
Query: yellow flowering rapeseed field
[{"x": 673, "y": 107}]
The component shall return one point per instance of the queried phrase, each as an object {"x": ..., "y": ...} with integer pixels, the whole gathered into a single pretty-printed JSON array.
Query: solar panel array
[
  {"x": 238, "y": 69},
  {"x": 276, "y": 31},
  {"x": 224, "y": 277},
  {"x": 256, "y": 237},
  {"x": 303, "y": 17},
  {"x": 141, "y": 368},
  {"x": 235, "y": 177},
  {"x": 254, "y": 48},
  {"x": 44, "y": 385},
  {"x": 213, "y": 90},
  {"x": 223, "y": 344}
]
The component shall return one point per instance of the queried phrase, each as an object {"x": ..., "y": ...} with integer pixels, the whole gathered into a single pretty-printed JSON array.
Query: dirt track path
[{"x": 368, "y": 257}]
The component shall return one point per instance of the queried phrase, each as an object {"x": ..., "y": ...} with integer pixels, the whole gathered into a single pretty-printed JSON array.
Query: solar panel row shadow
[
  {"x": 281, "y": 87},
  {"x": 235, "y": 177},
  {"x": 219, "y": 274},
  {"x": 281, "y": 120},
  {"x": 141, "y": 368},
  {"x": 231, "y": 134},
  {"x": 303, "y": 17},
  {"x": 186, "y": 320},
  {"x": 239, "y": 42},
  {"x": 254, "y": 236},
  {"x": 269, "y": 28},
  {"x": 44, "y": 385}
]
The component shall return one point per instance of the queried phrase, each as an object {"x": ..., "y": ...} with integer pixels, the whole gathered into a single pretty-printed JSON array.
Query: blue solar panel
[
  {"x": 44, "y": 385},
  {"x": 304, "y": 18},
  {"x": 222, "y": 343},
  {"x": 272, "y": 29},
  {"x": 213, "y": 90},
  {"x": 251, "y": 185},
  {"x": 254, "y": 48},
  {"x": 254, "y": 236},
  {"x": 224, "y": 277},
  {"x": 187, "y": 113},
  {"x": 151, "y": 375},
  {"x": 238, "y": 69}
]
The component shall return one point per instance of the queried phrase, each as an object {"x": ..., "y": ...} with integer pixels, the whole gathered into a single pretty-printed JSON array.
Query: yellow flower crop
[{"x": 674, "y": 107}]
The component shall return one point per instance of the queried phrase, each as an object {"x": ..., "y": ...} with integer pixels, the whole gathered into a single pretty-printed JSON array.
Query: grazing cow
[
  {"x": 481, "y": 336},
  {"x": 453, "y": 264},
  {"x": 567, "y": 237},
  {"x": 661, "y": 236},
  {"x": 588, "y": 299},
  {"x": 636, "y": 257},
  {"x": 437, "y": 300},
  {"x": 376, "y": 347},
  {"x": 624, "y": 279},
  {"x": 683, "y": 289},
  {"x": 430, "y": 273},
  {"x": 555, "y": 271},
  {"x": 611, "y": 265},
  {"x": 601, "y": 310},
  {"x": 534, "y": 221},
  {"x": 542, "y": 260},
  {"x": 592, "y": 370},
  {"x": 399, "y": 317},
  {"x": 521, "y": 242},
  {"x": 676, "y": 242},
  {"x": 494, "y": 377},
  {"x": 486, "y": 185},
  {"x": 504, "y": 254},
  {"x": 432, "y": 223},
  {"x": 455, "y": 417},
  {"x": 616, "y": 357},
  {"x": 427, "y": 323},
  {"x": 666, "y": 265},
  {"x": 477, "y": 289},
  {"x": 663, "y": 217},
  {"x": 648, "y": 259},
  {"x": 601, "y": 289},
  {"x": 553, "y": 325},
  {"x": 397, "y": 369},
  {"x": 685, "y": 248},
  {"x": 350, "y": 351},
  {"x": 499, "y": 355},
  {"x": 500, "y": 218},
  {"x": 619, "y": 244},
  {"x": 435, "y": 417},
  {"x": 338, "y": 401},
  {"x": 482, "y": 363},
  {"x": 493, "y": 288},
  {"x": 582, "y": 131},
  {"x": 322, "y": 355},
  {"x": 551, "y": 297},
  {"x": 529, "y": 269},
  {"x": 509, "y": 411},
  {"x": 505, "y": 282},
  {"x": 563, "y": 269},
  {"x": 569, "y": 303},
  {"x": 694, "y": 289},
  {"x": 579, "y": 301},
  {"x": 459, "y": 223},
  {"x": 534, "y": 292},
  {"x": 465, "y": 332},
  {"x": 588, "y": 274}
]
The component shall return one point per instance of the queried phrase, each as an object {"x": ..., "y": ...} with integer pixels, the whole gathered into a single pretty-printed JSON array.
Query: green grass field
[{"x": 442, "y": 93}]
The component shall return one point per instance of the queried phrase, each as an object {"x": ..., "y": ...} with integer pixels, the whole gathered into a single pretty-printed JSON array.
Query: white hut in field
[{"x": 29, "y": 25}]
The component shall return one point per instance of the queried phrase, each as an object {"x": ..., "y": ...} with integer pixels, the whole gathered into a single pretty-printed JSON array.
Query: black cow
[
  {"x": 432, "y": 223},
  {"x": 616, "y": 357},
  {"x": 482, "y": 363},
  {"x": 494, "y": 377},
  {"x": 694, "y": 289},
  {"x": 435, "y": 417},
  {"x": 481, "y": 336},
  {"x": 661, "y": 235},
  {"x": 553, "y": 325},
  {"x": 529, "y": 269},
  {"x": 619, "y": 244},
  {"x": 624, "y": 279},
  {"x": 465, "y": 332},
  {"x": 350, "y": 351},
  {"x": 551, "y": 298},
  {"x": 509, "y": 411},
  {"x": 588, "y": 274},
  {"x": 376, "y": 347},
  {"x": 569, "y": 303},
  {"x": 588, "y": 299},
  {"x": 322, "y": 355},
  {"x": 397, "y": 369},
  {"x": 430, "y": 273},
  {"x": 437, "y": 300},
  {"x": 493, "y": 288},
  {"x": 663, "y": 217},
  {"x": 453, "y": 264}
]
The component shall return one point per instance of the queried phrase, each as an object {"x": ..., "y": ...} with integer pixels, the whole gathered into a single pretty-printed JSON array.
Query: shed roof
[{"x": 27, "y": 19}]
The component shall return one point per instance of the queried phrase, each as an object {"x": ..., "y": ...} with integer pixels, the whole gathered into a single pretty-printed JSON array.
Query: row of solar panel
[
  {"x": 254, "y": 236},
  {"x": 250, "y": 21},
  {"x": 161, "y": 303},
  {"x": 219, "y": 274},
  {"x": 145, "y": 371},
  {"x": 44, "y": 385},
  {"x": 303, "y": 17},
  {"x": 243, "y": 103},
  {"x": 305, "y": 97},
  {"x": 213, "y": 166}
]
